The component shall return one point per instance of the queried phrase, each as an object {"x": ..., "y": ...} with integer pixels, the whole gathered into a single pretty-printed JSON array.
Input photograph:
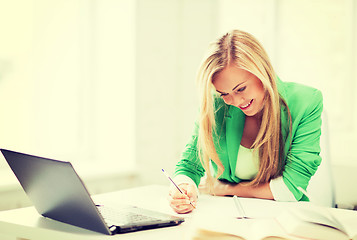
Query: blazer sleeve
[
  {"x": 303, "y": 158},
  {"x": 189, "y": 163}
]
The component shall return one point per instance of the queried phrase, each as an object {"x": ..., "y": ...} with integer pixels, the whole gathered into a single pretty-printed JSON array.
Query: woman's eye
[
  {"x": 241, "y": 89},
  {"x": 224, "y": 94}
]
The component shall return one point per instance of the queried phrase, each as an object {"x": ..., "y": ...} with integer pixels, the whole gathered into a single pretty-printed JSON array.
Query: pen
[
  {"x": 239, "y": 207},
  {"x": 175, "y": 185}
]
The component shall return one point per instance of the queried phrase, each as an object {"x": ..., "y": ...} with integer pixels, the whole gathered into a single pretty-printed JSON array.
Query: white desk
[{"x": 26, "y": 223}]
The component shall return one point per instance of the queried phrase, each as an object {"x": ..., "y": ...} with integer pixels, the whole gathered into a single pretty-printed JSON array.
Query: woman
[{"x": 256, "y": 136}]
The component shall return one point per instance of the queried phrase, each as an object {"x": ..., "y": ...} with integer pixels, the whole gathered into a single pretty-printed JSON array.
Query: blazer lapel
[{"x": 234, "y": 131}]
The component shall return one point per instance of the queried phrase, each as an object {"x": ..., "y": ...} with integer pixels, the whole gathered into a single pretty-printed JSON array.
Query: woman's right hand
[{"x": 181, "y": 203}]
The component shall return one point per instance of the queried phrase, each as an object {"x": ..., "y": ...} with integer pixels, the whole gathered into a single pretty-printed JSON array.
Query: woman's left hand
[{"x": 219, "y": 188}]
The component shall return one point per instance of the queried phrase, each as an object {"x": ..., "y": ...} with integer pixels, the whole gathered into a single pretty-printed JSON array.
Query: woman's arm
[
  {"x": 260, "y": 191},
  {"x": 303, "y": 157},
  {"x": 189, "y": 164},
  {"x": 240, "y": 189}
]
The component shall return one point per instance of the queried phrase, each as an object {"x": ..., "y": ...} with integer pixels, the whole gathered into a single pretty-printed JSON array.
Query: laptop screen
[{"x": 56, "y": 190}]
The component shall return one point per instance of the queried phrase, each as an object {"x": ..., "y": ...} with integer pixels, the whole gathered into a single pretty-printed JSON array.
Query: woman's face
[{"x": 241, "y": 89}]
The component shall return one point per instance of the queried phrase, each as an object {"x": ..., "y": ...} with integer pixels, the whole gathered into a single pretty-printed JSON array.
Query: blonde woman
[{"x": 256, "y": 135}]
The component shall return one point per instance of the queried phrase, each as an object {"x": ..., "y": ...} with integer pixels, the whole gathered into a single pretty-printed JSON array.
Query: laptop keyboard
[{"x": 118, "y": 217}]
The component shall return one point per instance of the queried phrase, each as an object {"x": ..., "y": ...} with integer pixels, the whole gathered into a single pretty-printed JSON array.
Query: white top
[
  {"x": 247, "y": 168},
  {"x": 247, "y": 163}
]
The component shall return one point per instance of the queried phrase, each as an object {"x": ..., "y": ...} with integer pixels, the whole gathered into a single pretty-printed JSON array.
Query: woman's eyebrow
[
  {"x": 219, "y": 91},
  {"x": 237, "y": 86},
  {"x": 232, "y": 89}
]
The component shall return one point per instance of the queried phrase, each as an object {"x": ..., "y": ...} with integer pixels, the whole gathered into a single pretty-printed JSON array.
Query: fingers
[
  {"x": 181, "y": 205},
  {"x": 182, "y": 202},
  {"x": 191, "y": 192}
]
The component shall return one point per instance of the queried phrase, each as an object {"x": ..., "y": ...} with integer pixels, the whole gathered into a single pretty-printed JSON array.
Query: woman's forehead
[{"x": 230, "y": 76}]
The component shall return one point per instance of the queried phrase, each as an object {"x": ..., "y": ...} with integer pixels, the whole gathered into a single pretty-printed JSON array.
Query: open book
[
  {"x": 320, "y": 223},
  {"x": 240, "y": 229},
  {"x": 303, "y": 222}
]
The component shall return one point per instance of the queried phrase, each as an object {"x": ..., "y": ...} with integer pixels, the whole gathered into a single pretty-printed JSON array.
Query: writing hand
[{"x": 181, "y": 203}]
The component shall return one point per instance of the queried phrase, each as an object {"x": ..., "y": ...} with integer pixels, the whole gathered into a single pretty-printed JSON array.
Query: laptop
[{"x": 57, "y": 192}]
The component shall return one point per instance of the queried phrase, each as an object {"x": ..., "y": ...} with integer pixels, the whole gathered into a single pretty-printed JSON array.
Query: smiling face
[{"x": 241, "y": 89}]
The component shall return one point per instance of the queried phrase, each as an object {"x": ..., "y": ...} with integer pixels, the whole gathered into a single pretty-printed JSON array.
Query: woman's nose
[
  {"x": 235, "y": 100},
  {"x": 228, "y": 99}
]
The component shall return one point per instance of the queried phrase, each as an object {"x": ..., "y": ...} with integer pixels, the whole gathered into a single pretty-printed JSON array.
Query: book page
[
  {"x": 318, "y": 215},
  {"x": 310, "y": 224},
  {"x": 224, "y": 226},
  {"x": 269, "y": 229},
  {"x": 348, "y": 218},
  {"x": 233, "y": 228},
  {"x": 207, "y": 234}
]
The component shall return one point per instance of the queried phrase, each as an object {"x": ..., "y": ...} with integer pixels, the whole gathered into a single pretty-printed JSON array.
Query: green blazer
[{"x": 302, "y": 153}]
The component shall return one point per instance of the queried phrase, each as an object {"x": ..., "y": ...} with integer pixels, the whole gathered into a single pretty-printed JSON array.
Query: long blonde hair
[{"x": 243, "y": 50}]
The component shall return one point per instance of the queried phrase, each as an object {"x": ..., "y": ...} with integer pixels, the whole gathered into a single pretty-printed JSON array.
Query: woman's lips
[{"x": 244, "y": 107}]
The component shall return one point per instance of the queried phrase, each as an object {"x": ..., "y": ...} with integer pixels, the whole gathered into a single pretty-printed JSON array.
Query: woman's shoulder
[
  {"x": 302, "y": 100},
  {"x": 297, "y": 94},
  {"x": 294, "y": 89}
]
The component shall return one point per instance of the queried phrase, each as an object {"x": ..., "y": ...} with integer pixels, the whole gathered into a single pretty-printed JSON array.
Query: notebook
[{"x": 57, "y": 192}]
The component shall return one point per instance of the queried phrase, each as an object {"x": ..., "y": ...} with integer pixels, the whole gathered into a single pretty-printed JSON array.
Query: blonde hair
[{"x": 243, "y": 50}]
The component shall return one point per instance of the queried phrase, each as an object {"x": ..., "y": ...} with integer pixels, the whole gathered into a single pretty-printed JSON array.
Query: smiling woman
[
  {"x": 258, "y": 126},
  {"x": 247, "y": 92}
]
